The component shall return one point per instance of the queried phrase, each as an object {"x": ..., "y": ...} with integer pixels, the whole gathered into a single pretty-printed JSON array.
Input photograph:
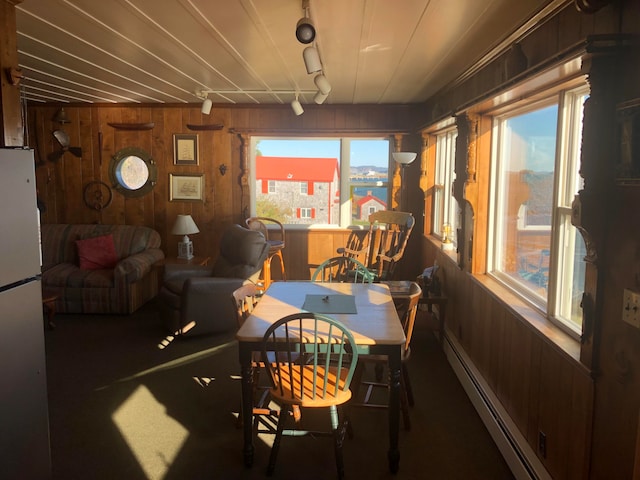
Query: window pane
[
  {"x": 571, "y": 274},
  {"x": 526, "y": 159},
  {"x": 336, "y": 181},
  {"x": 445, "y": 211},
  {"x": 368, "y": 178}
]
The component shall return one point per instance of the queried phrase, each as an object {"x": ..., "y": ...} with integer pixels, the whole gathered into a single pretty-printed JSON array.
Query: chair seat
[
  {"x": 311, "y": 397},
  {"x": 275, "y": 245}
]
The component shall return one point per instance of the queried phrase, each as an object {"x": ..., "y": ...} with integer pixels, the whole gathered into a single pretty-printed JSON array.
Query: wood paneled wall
[
  {"x": 61, "y": 184},
  {"x": 544, "y": 389},
  {"x": 584, "y": 395}
]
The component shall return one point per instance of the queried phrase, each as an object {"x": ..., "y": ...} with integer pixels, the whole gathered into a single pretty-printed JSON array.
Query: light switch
[{"x": 631, "y": 308}]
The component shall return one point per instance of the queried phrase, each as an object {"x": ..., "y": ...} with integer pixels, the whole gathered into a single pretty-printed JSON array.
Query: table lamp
[{"x": 185, "y": 226}]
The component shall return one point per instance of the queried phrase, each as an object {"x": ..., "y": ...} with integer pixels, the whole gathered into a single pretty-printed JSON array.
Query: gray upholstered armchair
[{"x": 197, "y": 299}]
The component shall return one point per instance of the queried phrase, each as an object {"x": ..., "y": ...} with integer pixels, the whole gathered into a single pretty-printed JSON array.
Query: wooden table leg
[
  {"x": 49, "y": 305},
  {"x": 247, "y": 404},
  {"x": 394, "y": 408}
]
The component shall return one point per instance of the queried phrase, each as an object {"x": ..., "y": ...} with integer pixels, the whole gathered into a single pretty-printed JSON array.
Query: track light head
[
  {"x": 320, "y": 97},
  {"x": 305, "y": 31},
  {"x": 206, "y": 106},
  {"x": 322, "y": 83},
  {"x": 297, "y": 107},
  {"x": 312, "y": 59}
]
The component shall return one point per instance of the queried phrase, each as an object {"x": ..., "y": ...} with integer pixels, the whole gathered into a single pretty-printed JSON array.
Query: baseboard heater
[{"x": 518, "y": 454}]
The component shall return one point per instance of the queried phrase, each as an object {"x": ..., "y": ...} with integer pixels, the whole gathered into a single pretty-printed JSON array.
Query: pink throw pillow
[{"x": 97, "y": 252}]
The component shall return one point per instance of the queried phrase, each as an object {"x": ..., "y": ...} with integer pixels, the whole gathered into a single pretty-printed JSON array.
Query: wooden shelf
[
  {"x": 132, "y": 126},
  {"x": 210, "y": 126}
]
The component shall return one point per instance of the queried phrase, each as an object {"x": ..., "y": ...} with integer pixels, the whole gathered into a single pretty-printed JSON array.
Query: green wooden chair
[{"x": 316, "y": 360}]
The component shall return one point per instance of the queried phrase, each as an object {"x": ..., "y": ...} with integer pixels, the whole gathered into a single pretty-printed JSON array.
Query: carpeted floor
[{"x": 125, "y": 404}]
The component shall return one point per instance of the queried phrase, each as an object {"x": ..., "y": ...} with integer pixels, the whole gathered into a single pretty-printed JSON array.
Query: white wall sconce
[
  {"x": 185, "y": 226},
  {"x": 403, "y": 159}
]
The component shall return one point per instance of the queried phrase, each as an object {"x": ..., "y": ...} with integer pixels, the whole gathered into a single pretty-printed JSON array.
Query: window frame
[
  {"x": 345, "y": 187},
  {"x": 566, "y": 179},
  {"x": 445, "y": 209}
]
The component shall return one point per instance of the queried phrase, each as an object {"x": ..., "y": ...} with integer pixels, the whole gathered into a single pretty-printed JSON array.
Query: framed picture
[
  {"x": 185, "y": 149},
  {"x": 186, "y": 187}
]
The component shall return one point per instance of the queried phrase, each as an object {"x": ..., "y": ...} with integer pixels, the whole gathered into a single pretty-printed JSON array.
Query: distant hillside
[{"x": 365, "y": 169}]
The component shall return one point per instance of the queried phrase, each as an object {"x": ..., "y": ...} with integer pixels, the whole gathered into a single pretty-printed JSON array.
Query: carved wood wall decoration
[{"x": 132, "y": 126}]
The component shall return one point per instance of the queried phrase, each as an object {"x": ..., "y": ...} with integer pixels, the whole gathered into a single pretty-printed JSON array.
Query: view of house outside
[{"x": 318, "y": 181}]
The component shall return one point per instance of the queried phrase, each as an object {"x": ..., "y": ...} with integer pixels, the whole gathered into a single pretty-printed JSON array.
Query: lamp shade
[
  {"x": 184, "y": 226},
  {"x": 404, "y": 158},
  {"x": 206, "y": 106},
  {"x": 311, "y": 59}
]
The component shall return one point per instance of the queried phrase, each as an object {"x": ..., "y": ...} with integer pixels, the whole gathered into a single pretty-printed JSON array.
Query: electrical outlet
[
  {"x": 542, "y": 444},
  {"x": 631, "y": 308}
]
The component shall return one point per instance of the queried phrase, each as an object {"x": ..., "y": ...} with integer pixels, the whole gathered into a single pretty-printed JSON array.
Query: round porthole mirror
[{"x": 132, "y": 172}]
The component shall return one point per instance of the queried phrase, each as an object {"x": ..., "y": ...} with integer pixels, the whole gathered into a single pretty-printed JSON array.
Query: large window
[
  {"x": 445, "y": 206},
  {"x": 534, "y": 249},
  {"x": 319, "y": 181}
]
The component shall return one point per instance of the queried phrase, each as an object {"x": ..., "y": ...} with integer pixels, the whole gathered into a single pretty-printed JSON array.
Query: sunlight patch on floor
[{"x": 153, "y": 437}]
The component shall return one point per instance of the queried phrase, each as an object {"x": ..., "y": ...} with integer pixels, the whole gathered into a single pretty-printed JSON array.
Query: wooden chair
[
  {"x": 342, "y": 269},
  {"x": 316, "y": 362},
  {"x": 408, "y": 316},
  {"x": 275, "y": 238},
  {"x": 384, "y": 244}
]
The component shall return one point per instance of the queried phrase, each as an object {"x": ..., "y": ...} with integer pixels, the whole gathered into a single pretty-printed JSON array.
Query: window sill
[{"x": 553, "y": 334}]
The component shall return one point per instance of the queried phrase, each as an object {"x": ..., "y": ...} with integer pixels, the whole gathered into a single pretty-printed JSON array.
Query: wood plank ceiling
[{"x": 245, "y": 51}]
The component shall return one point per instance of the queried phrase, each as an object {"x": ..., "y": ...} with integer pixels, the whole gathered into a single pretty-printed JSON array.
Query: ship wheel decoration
[{"x": 97, "y": 195}]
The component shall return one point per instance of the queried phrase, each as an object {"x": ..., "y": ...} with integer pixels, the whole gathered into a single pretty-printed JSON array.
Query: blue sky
[{"x": 363, "y": 152}]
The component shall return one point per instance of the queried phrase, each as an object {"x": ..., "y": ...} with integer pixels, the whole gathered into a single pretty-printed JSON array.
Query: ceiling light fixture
[
  {"x": 297, "y": 107},
  {"x": 206, "y": 105},
  {"x": 322, "y": 83},
  {"x": 320, "y": 97},
  {"x": 305, "y": 31},
  {"x": 312, "y": 59}
]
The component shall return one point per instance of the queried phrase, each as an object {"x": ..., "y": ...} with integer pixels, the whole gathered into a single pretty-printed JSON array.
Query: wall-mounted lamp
[
  {"x": 61, "y": 117},
  {"x": 312, "y": 59},
  {"x": 305, "y": 31},
  {"x": 185, "y": 226},
  {"x": 296, "y": 106},
  {"x": 404, "y": 159}
]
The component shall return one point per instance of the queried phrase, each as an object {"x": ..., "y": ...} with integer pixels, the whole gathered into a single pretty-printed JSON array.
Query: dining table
[{"x": 367, "y": 310}]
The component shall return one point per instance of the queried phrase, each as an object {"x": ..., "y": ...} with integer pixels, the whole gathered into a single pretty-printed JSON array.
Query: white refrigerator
[{"x": 24, "y": 419}]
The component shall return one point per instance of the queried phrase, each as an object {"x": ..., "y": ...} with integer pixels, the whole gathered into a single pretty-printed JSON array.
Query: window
[
  {"x": 445, "y": 211},
  {"x": 339, "y": 180},
  {"x": 305, "y": 213},
  {"x": 534, "y": 249}
]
